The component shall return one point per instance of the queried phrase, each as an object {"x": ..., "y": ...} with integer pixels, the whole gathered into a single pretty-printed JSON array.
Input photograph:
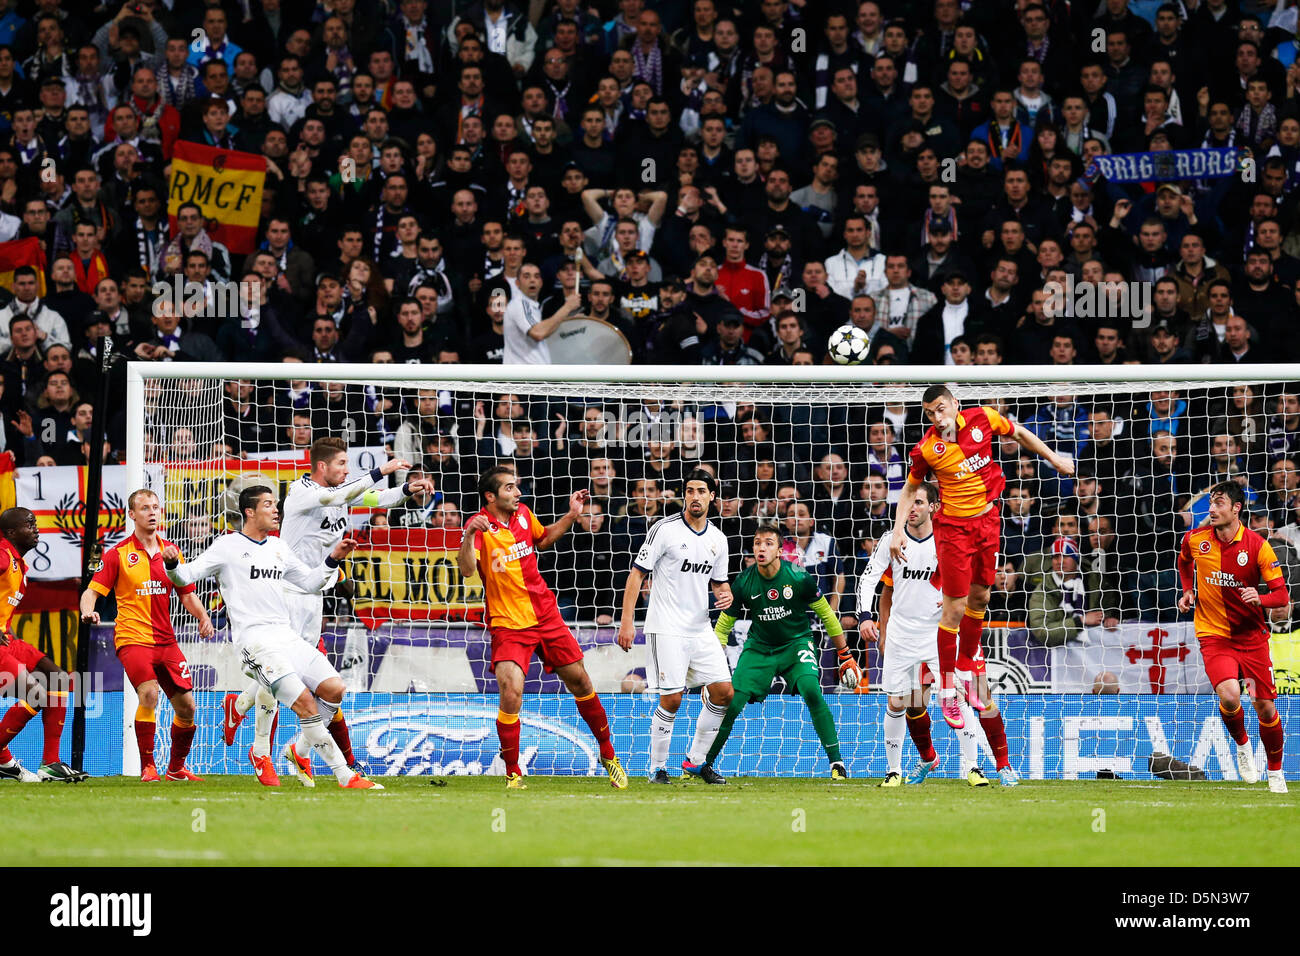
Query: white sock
[
  {"x": 661, "y": 738},
  {"x": 328, "y": 711},
  {"x": 966, "y": 740},
  {"x": 982, "y": 740},
  {"x": 706, "y": 728},
  {"x": 895, "y": 728},
  {"x": 265, "y": 717},
  {"x": 244, "y": 702},
  {"x": 313, "y": 731}
]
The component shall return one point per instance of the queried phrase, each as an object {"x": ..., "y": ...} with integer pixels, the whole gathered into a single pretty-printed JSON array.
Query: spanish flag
[
  {"x": 226, "y": 185},
  {"x": 22, "y": 252}
]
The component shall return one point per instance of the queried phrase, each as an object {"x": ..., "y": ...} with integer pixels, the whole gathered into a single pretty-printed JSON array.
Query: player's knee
[
  {"x": 183, "y": 706},
  {"x": 721, "y": 694},
  {"x": 148, "y": 696},
  {"x": 670, "y": 702},
  {"x": 304, "y": 705},
  {"x": 1265, "y": 709},
  {"x": 331, "y": 689},
  {"x": 1229, "y": 696},
  {"x": 810, "y": 690}
]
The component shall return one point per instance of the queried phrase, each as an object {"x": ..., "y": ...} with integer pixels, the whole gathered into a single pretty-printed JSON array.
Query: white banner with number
[
  {"x": 57, "y": 496},
  {"x": 1135, "y": 658}
]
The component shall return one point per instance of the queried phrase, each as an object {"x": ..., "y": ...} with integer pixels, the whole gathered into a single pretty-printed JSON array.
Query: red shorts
[
  {"x": 1229, "y": 660},
  {"x": 967, "y": 549},
  {"x": 552, "y": 641},
  {"x": 161, "y": 662},
  {"x": 14, "y": 657}
]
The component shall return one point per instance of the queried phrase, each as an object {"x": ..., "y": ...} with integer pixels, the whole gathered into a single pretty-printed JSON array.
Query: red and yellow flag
[
  {"x": 22, "y": 252},
  {"x": 226, "y": 185}
]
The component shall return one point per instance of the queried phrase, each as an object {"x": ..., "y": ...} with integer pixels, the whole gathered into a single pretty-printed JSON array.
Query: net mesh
[{"x": 1094, "y": 671}]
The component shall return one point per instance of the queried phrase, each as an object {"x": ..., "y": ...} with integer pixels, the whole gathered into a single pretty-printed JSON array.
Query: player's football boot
[
  {"x": 952, "y": 712},
  {"x": 704, "y": 771},
  {"x": 13, "y": 770},
  {"x": 61, "y": 772},
  {"x": 265, "y": 769},
  {"x": 1276, "y": 781},
  {"x": 358, "y": 782},
  {"x": 660, "y": 776},
  {"x": 976, "y": 778},
  {"x": 921, "y": 769},
  {"x": 515, "y": 781},
  {"x": 617, "y": 775},
  {"x": 183, "y": 775},
  {"x": 356, "y": 766},
  {"x": 299, "y": 765},
  {"x": 839, "y": 771},
  {"x": 231, "y": 719},
  {"x": 892, "y": 779},
  {"x": 1008, "y": 777},
  {"x": 972, "y": 693},
  {"x": 1246, "y": 764},
  {"x": 149, "y": 774}
]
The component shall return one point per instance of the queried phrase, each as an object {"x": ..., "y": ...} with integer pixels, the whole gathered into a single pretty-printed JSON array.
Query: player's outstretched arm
[
  {"x": 722, "y": 630},
  {"x": 467, "y": 556},
  {"x": 194, "y": 606},
  {"x": 1028, "y": 440},
  {"x": 348, "y": 492},
  {"x": 901, "y": 511},
  {"x": 183, "y": 574},
  {"x": 317, "y": 579},
  {"x": 631, "y": 594},
  {"x": 556, "y": 531}
]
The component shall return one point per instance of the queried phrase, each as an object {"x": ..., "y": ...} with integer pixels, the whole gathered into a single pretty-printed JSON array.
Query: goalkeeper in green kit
[{"x": 779, "y": 596}]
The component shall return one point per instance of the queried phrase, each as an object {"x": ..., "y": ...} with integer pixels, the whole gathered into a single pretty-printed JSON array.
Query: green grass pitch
[{"x": 231, "y": 821}]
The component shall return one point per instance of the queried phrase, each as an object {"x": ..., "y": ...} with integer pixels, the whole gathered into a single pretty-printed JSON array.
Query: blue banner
[
  {"x": 1052, "y": 736},
  {"x": 1165, "y": 165}
]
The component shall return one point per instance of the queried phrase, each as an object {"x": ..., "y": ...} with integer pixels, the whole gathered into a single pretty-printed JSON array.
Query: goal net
[{"x": 1093, "y": 665}]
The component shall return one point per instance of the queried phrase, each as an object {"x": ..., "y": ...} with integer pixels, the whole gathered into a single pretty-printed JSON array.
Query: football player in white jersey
[
  {"x": 315, "y": 518},
  {"x": 686, "y": 557},
  {"x": 910, "y": 605},
  {"x": 250, "y": 567}
]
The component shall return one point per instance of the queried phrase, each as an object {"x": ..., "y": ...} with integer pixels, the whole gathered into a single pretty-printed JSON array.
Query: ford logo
[{"x": 459, "y": 739}]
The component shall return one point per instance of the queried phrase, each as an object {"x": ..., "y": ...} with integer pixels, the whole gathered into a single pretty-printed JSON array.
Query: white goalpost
[{"x": 1093, "y": 666}]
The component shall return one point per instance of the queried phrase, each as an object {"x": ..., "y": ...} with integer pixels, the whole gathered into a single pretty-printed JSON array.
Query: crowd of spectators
[{"x": 726, "y": 184}]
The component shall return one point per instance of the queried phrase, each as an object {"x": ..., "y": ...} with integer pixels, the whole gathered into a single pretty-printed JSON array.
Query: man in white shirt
[
  {"x": 685, "y": 555},
  {"x": 525, "y": 331},
  {"x": 857, "y": 268},
  {"x": 250, "y": 566},
  {"x": 51, "y": 329}
]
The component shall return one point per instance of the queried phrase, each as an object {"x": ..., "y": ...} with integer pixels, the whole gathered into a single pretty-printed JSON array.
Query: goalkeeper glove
[{"x": 850, "y": 672}]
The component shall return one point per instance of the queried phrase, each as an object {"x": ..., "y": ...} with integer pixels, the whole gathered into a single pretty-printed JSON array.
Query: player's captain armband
[{"x": 370, "y": 499}]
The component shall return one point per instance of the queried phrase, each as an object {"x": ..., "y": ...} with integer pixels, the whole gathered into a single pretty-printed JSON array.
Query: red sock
[
  {"x": 1272, "y": 737},
  {"x": 947, "y": 655},
  {"x": 996, "y": 732},
  {"x": 52, "y": 718},
  {"x": 275, "y": 724},
  {"x": 145, "y": 726},
  {"x": 593, "y": 712},
  {"x": 919, "y": 728},
  {"x": 182, "y": 737},
  {"x": 5, "y": 755},
  {"x": 969, "y": 633},
  {"x": 1235, "y": 722},
  {"x": 338, "y": 728},
  {"x": 14, "y": 721},
  {"x": 508, "y": 732}
]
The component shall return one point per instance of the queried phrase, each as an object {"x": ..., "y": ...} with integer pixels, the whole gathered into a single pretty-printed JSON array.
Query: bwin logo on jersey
[
  {"x": 917, "y": 574},
  {"x": 696, "y": 567},
  {"x": 255, "y": 574},
  {"x": 336, "y": 525}
]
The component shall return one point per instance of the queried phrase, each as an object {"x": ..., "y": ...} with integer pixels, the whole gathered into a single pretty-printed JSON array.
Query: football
[{"x": 848, "y": 345}]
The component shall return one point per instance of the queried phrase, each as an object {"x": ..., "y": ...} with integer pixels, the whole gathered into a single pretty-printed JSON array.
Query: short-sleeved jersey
[
  {"x": 777, "y": 606},
  {"x": 967, "y": 471},
  {"x": 143, "y": 593},
  {"x": 681, "y": 561},
  {"x": 514, "y": 593},
  {"x": 13, "y": 581},
  {"x": 1221, "y": 571},
  {"x": 918, "y": 599}
]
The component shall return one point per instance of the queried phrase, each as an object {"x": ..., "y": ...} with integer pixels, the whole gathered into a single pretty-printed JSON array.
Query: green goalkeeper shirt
[{"x": 778, "y": 607}]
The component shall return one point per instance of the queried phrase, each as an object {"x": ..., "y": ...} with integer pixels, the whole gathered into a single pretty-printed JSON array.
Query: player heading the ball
[
  {"x": 251, "y": 566},
  {"x": 501, "y": 542},
  {"x": 1231, "y": 576},
  {"x": 958, "y": 451},
  {"x": 686, "y": 556}
]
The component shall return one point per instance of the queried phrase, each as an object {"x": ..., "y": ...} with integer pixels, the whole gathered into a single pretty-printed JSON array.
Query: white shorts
[
  {"x": 677, "y": 662},
  {"x": 305, "y": 612},
  {"x": 904, "y": 655},
  {"x": 274, "y": 657}
]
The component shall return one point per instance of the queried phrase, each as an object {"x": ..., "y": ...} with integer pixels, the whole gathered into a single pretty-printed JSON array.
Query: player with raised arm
[
  {"x": 1231, "y": 575},
  {"x": 685, "y": 556},
  {"x": 24, "y": 670},
  {"x": 778, "y": 596},
  {"x": 910, "y": 605},
  {"x": 251, "y": 566},
  {"x": 958, "y": 451},
  {"x": 143, "y": 635},
  {"x": 315, "y": 518},
  {"x": 501, "y": 543}
]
